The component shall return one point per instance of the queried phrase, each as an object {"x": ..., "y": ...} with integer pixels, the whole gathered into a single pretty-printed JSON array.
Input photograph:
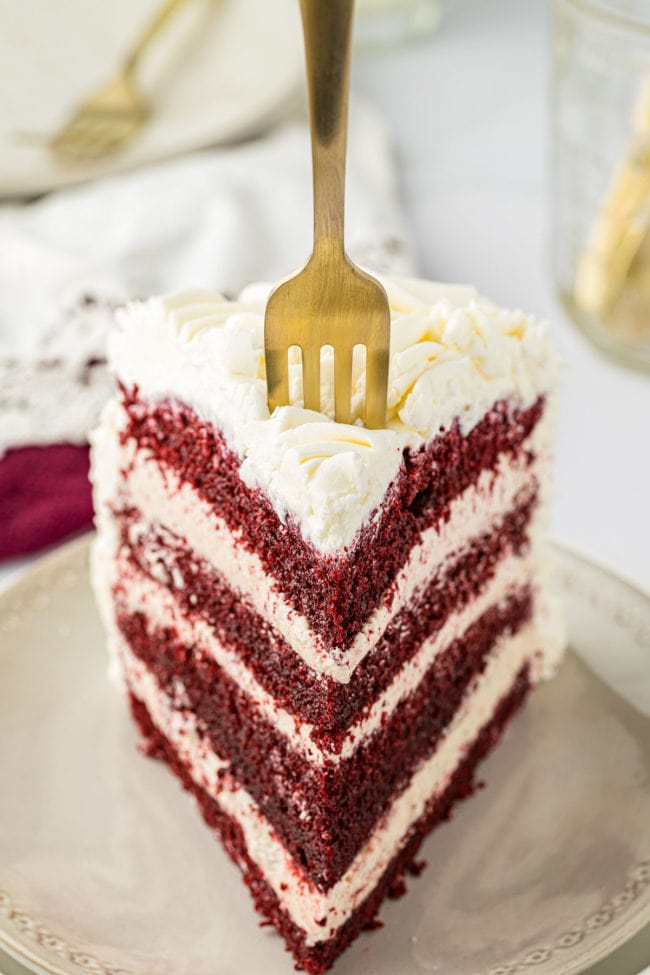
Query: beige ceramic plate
[
  {"x": 222, "y": 69},
  {"x": 106, "y": 868}
]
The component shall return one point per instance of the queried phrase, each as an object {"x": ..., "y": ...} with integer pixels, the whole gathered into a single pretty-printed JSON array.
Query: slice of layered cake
[{"x": 321, "y": 628}]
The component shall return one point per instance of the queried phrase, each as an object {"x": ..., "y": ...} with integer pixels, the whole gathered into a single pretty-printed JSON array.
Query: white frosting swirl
[{"x": 453, "y": 354}]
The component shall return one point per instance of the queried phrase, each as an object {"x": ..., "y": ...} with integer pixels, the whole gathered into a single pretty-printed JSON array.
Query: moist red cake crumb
[
  {"x": 416, "y": 868},
  {"x": 331, "y": 707},
  {"x": 374, "y": 925},
  {"x": 344, "y": 800},
  {"x": 337, "y": 594}
]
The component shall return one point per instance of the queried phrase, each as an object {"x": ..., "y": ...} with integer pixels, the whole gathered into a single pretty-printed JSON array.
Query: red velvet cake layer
[
  {"x": 344, "y": 801},
  {"x": 330, "y": 706},
  {"x": 336, "y": 594},
  {"x": 316, "y": 959}
]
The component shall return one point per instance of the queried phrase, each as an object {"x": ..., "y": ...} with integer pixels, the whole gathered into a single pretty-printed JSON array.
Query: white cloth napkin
[{"x": 218, "y": 219}]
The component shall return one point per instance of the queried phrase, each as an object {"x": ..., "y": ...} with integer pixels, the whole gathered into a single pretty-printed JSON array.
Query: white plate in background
[{"x": 222, "y": 69}]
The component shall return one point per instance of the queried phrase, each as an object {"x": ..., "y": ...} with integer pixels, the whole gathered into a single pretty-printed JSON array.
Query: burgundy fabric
[{"x": 44, "y": 497}]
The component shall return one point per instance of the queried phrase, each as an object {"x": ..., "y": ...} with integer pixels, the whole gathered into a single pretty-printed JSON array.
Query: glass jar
[{"x": 601, "y": 167}]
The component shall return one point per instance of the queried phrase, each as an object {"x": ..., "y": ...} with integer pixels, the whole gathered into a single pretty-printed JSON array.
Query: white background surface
[
  {"x": 468, "y": 109},
  {"x": 197, "y": 73}
]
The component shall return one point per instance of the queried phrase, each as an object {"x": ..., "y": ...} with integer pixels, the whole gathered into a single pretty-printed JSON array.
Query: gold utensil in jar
[{"x": 622, "y": 225}]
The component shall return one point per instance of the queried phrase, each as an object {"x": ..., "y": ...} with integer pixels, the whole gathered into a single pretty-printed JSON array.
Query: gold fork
[
  {"x": 114, "y": 113},
  {"x": 331, "y": 301}
]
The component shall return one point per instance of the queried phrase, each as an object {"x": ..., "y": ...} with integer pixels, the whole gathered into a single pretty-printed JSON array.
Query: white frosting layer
[
  {"x": 453, "y": 354},
  {"x": 317, "y": 913},
  {"x": 171, "y": 503},
  {"x": 141, "y": 594}
]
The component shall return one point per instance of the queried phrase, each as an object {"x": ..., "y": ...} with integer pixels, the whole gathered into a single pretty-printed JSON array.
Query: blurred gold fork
[
  {"x": 114, "y": 113},
  {"x": 331, "y": 301}
]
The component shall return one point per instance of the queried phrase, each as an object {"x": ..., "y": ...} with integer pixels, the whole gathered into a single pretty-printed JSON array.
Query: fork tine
[
  {"x": 311, "y": 377},
  {"x": 101, "y": 124},
  {"x": 377, "y": 361},
  {"x": 277, "y": 376},
  {"x": 72, "y": 142},
  {"x": 76, "y": 146},
  {"x": 88, "y": 140},
  {"x": 343, "y": 384},
  {"x": 79, "y": 132}
]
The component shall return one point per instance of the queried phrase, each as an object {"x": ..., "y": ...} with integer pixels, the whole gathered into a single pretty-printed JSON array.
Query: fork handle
[
  {"x": 327, "y": 28},
  {"x": 151, "y": 30}
]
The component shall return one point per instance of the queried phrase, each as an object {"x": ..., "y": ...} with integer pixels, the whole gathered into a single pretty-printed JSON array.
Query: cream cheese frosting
[{"x": 453, "y": 354}]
